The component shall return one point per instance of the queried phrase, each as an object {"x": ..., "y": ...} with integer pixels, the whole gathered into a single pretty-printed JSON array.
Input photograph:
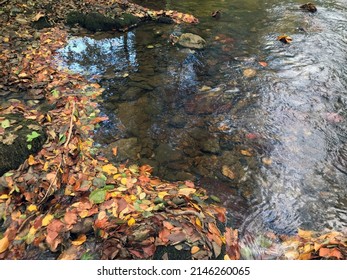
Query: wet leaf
[
  {"x": 115, "y": 151},
  {"x": 263, "y": 63},
  {"x": 4, "y": 243},
  {"x": 198, "y": 222},
  {"x": 305, "y": 233},
  {"x": 330, "y": 253},
  {"x": 215, "y": 198},
  {"x": 266, "y": 160},
  {"x": 249, "y": 73},
  {"x": 80, "y": 240},
  {"x": 227, "y": 172},
  {"x": 284, "y": 39},
  {"x": 246, "y": 153},
  {"x": 97, "y": 196}
]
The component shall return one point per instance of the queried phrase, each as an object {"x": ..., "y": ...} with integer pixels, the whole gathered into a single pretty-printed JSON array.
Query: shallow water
[{"x": 195, "y": 114}]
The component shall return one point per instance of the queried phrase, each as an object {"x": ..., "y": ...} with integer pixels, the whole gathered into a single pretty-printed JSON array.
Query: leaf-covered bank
[{"x": 66, "y": 202}]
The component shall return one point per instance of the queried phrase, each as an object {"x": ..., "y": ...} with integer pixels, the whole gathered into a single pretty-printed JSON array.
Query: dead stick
[{"x": 61, "y": 161}]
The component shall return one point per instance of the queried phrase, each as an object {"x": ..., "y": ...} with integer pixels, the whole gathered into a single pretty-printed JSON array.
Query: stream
[{"x": 258, "y": 123}]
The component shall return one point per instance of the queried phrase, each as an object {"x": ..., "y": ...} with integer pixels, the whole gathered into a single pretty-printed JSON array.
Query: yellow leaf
[
  {"x": 84, "y": 213},
  {"x": 198, "y": 222},
  {"x": 6, "y": 39},
  {"x": 4, "y": 196},
  {"x": 47, "y": 219},
  {"x": 131, "y": 221},
  {"x": 32, "y": 208},
  {"x": 80, "y": 240},
  {"x": 4, "y": 243},
  {"x": 226, "y": 258},
  {"x": 186, "y": 191},
  {"x": 307, "y": 248},
  {"x": 123, "y": 181},
  {"x": 31, "y": 160},
  {"x": 162, "y": 194},
  {"x": 49, "y": 118},
  {"x": 142, "y": 195},
  {"x": 109, "y": 169},
  {"x": 246, "y": 153},
  {"x": 194, "y": 250},
  {"x": 305, "y": 233},
  {"x": 117, "y": 176},
  {"x": 38, "y": 16}
]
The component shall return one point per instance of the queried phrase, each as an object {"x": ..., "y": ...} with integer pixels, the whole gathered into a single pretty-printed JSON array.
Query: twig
[
  {"x": 71, "y": 124},
  {"x": 61, "y": 161},
  {"x": 26, "y": 220}
]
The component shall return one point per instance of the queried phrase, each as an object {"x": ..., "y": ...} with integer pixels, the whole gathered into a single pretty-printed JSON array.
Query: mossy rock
[{"x": 14, "y": 145}]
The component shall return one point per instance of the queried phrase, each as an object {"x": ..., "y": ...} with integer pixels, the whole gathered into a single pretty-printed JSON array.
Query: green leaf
[
  {"x": 98, "y": 196},
  {"x": 29, "y": 146},
  {"x": 87, "y": 256},
  {"x": 32, "y": 136},
  {"x": 215, "y": 198},
  {"x": 5, "y": 123},
  {"x": 55, "y": 93}
]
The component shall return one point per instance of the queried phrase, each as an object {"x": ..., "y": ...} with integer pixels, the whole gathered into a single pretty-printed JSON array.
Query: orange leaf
[
  {"x": 80, "y": 240},
  {"x": 115, "y": 151},
  {"x": 263, "y": 63},
  {"x": 70, "y": 218},
  {"x": 246, "y": 153},
  {"x": 4, "y": 243},
  {"x": 305, "y": 233},
  {"x": 328, "y": 253},
  {"x": 194, "y": 250},
  {"x": 31, "y": 160}
]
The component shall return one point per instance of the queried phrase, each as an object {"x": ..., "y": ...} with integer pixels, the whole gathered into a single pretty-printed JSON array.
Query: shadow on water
[{"x": 268, "y": 139}]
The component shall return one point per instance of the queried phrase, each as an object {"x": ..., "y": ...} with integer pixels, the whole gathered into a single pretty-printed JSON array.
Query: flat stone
[{"x": 191, "y": 41}]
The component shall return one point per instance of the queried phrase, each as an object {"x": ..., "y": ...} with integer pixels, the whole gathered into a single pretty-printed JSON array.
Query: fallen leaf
[
  {"x": 186, "y": 191},
  {"x": 31, "y": 160},
  {"x": 47, "y": 219},
  {"x": 246, "y": 153},
  {"x": 284, "y": 39},
  {"x": 263, "y": 63},
  {"x": 97, "y": 196},
  {"x": 249, "y": 73},
  {"x": 80, "y": 240},
  {"x": 227, "y": 172},
  {"x": 38, "y": 16},
  {"x": 4, "y": 243},
  {"x": 32, "y": 208},
  {"x": 110, "y": 169},
  {"x": 131, "y": 221},
  {"x": 305, "y": 233},
  {"x": 194, "y": 250},
  {"x": 328, "y": 253}
]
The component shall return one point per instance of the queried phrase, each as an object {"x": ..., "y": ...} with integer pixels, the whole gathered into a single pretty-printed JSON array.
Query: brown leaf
[
  {"x": 227, "y": 172},
  {"x": 177, "y": 237},
  {"x": 232, "y": 246},
  {"x": 70, "y": 218}
]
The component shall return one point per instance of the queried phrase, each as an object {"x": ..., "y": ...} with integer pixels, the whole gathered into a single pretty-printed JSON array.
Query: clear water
[{"x": 192, "y": 112}]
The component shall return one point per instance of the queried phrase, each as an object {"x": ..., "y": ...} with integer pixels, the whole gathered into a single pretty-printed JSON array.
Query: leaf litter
[{"x": 69, "y": 201}]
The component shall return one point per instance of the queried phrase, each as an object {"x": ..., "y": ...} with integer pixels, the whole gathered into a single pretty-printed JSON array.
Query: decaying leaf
[
  {"x": 227, "y": 172},
  {"x": 284, "y": 39}
]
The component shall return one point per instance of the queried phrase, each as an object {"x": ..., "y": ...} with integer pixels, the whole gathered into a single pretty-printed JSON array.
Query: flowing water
[{"x": 259, "y": 123}]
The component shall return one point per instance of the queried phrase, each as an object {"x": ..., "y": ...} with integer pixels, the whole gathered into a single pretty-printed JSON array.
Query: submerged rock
[{"x": 189, "y": 40}]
